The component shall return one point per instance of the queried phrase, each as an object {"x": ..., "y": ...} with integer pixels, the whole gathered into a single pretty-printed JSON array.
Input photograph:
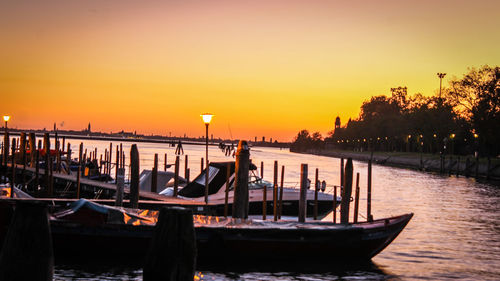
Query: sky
[{"x": 264, "y": 68}]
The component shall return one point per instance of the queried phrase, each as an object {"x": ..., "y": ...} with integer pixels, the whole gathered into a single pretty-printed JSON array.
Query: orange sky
[{"x": 264, "y": 68}]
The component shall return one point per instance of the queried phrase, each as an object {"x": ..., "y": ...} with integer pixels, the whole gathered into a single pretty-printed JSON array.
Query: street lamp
[
  {"x": 6, "y": 118},
  {"x": 207, "y": 117},
  {"x": 441, "y": 76},
  {"x": 452, "y": 136}
]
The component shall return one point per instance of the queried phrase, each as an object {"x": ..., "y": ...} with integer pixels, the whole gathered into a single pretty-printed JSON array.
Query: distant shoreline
[{"x": 417, "y": 161}]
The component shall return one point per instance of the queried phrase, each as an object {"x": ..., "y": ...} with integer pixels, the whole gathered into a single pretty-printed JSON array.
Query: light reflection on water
[{"x": 455, "y": 232}]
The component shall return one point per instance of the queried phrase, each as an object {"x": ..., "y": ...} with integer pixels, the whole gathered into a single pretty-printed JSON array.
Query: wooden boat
[
  {"x": 92, "y": 230},
  {"x": 217, "y": 193}
]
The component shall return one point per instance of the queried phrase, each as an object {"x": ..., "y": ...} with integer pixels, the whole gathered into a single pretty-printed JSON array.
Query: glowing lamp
[
  {"x": 207, "y": 117},
  {"x": 6, "y": 118}
]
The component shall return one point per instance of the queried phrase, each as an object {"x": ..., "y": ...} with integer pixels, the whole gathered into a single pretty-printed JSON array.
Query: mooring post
[
  {"x": 13, "y": 163},
  {"x": 68, "y": 159},
  {"x": 117, "y": 161},
  {"x": 240, "y": 201},
  {"x": 122, "y": 164},
  {"x": 120, "y": 182},
  {"x": 264, "y": 192},
  {"x": 80, "y": 156},
  {"x": 202, "y": 163},
  {"x": 303, "y": 193},
  {"x": 46, "y": 144},
  {"x": 37, "y": 170},
  {"x": 134, "y": 177},
  {"x": 275, "y": 191},
  {"x": 316, "y": 187},
  {"x": 165, "y": 163},
  {"x": 78, "y": 175},
  {"x": 341, "y": 174},
  {"x": 346, "y": 193},
  {"x": 369, "y": 215},
  {"x": 32, "y": 143},
  {"x": 172, "y": 250},
  {"x": 176, "y": 176},
  {"x": 226, "y": 197},
  {"x": 110, "y": 158},
  {"x": 22, "y": 145},
  {"x": 50, "y": 189},
  {"x": 356, "y": 199},
  {"x": 334, "y": 204},
  {"x": 27, "y": 249},
  {"x": 281, "y": 191},
  {"x": 154, "y": 175},
  {"x": 186, "y": 166},
  {"x": 6, "y": 146}
]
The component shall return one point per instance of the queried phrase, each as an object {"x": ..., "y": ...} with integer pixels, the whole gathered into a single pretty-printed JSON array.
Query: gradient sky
[{"x": 264, "y": 68}]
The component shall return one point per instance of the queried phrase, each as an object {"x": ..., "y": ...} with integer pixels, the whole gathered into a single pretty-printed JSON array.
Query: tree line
[{"x": 464, "y": 118}]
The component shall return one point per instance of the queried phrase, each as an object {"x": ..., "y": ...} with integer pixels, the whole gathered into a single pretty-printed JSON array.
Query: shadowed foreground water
[{"x": 455, "y": 233}]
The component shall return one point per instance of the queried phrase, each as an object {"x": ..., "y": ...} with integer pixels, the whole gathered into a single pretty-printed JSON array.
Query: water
[{"x": 455, "y": 233}]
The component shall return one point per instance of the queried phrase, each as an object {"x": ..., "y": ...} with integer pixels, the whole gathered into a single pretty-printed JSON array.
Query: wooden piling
[
  {"x": 32, "y": 144},
  {"x": 303, "y": 193},
  {"x": 369, "y": 215},
  {"x": 316, "y": 187},
  {"x": 27, "y": 252},
  {"x": 50, "y": 188},
  {"x": 13, "y": 163},
  {"x": 68, "y": 159},
  {"x": 165, "y": 163},
  {"x": 120, "y": 182},
  {"x": 226, "y": 197},
  {"x": 341, "y": 173},
  {"x": 275, "y": 191},
  {"x": 6, "y": 146},
  {"x": 22, "y": 146},
  {"x": 346, "y": 192},
  {"x": 281, "y": 191},
  {"x": 176, "y": 176},
  {"x": 37, "y": 170},
  {"x": 80, "y": 156},
  {"x": 117, "y": 161},
  {"x": 262, "y": 169},
  {"x": 78, "y": 175},
  {"x": 202, "y": 164},
  {"x": 240, "y": 200},
  {"x": 172, "y": 250},
  {"x": 46, "y": 144},
  {"x": 356, "y": 199},
  {"x": 186, "y": 164},
  {"x": 110, "y": 158},
  {"x": 134, "y": 176},
  {"x": 334, "y": 204},
  {"x": 154, "y": 175}
]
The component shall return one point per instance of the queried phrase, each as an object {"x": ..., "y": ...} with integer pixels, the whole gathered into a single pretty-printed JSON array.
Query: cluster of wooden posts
[{"x": 454, "y": 166}]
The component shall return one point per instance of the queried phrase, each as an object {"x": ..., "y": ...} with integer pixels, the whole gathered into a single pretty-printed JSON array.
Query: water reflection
[{"x": 455, "y": 232}]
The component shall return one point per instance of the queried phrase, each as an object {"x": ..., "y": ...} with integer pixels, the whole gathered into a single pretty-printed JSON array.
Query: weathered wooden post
[
  {"x": 334, "y": 204},
  {"x": 13, "y": 163},
  {"x": 22, "y": 146},
  {"x": 275, "y": 191},
  {"x": 369, "y": 215},
  {"x": 68, "y": 159},
  {"x": 186, "y": 165},
  {"x": 356, "y": 199},
  {"x": 78, "y": 187},
  {"x": 226, "y": 197},
  {"x": 281, "y": 191},
  {"x": 346, "y": 193},
  {"x": 120, "y": 182},
  {"x": 240, "y": 201},
  {"x": 341, "y": 173},
  {"x": 32, "y": 144},
  {"x": 50, "y": 188},
  {"x": 110, "y": 157},
  {"x": 154, "y": 174},
  {"x": 172, "y": 250},
  {"x": 165, "y": 163},
  {"x": 134, "y": 176},
  {"x": 202, "y": 164},
  {"x": 303, "y": 193},
  {"x": 117, "y": 165},
  {"x": 6, "y": 146},
  {"x": 27, "y": 249},
  {"x": 37, "y": 170},
  {"x": 176, "y": 176},
  {"x": 46, "y": 144},
  {"x": 316, "y": 187},
  {"x": 80, "y": 156}
]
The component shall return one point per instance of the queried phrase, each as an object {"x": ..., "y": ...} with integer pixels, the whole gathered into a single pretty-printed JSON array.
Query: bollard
[
  {"x": 27, "y": 252},
  {"x": 172, "y": 250},
  {"x": 134, "y": 176},
  {"x": 356, "y": 199},
  {"x": 120, "y": 182},
  {"x": 303, "y": 193},
  {"x": 240, "y": 201},
  {"x": 154, "y": 175},
  {"x": 346, "y": 193}
]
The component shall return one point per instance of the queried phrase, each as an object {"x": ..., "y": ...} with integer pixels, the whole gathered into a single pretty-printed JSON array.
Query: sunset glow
[{"x": 264, "y": 68}]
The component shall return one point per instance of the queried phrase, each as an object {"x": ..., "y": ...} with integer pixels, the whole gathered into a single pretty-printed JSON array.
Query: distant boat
[{"x": 217, "y": 192}]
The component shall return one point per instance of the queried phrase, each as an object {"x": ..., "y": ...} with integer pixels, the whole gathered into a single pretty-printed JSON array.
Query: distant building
[
  {"x": 88, "y": 130},
  {"x": 337, "y": 123}
]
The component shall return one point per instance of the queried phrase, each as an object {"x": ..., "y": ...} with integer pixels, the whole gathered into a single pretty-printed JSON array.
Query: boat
[
  {"x": 89, "y": 231},
  {"x": 195, "y": 190}
]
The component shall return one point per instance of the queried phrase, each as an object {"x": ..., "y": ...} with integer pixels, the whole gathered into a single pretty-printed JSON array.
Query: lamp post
[
  {"x": 207, "y": 117},
  {"x": 441, "y": 76},
  {"x": 6, "y": 118},
  {"x": 452, "y": 136}
]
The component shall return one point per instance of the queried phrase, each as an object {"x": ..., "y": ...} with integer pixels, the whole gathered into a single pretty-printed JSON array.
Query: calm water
[{"x": 455, "y": 233}]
